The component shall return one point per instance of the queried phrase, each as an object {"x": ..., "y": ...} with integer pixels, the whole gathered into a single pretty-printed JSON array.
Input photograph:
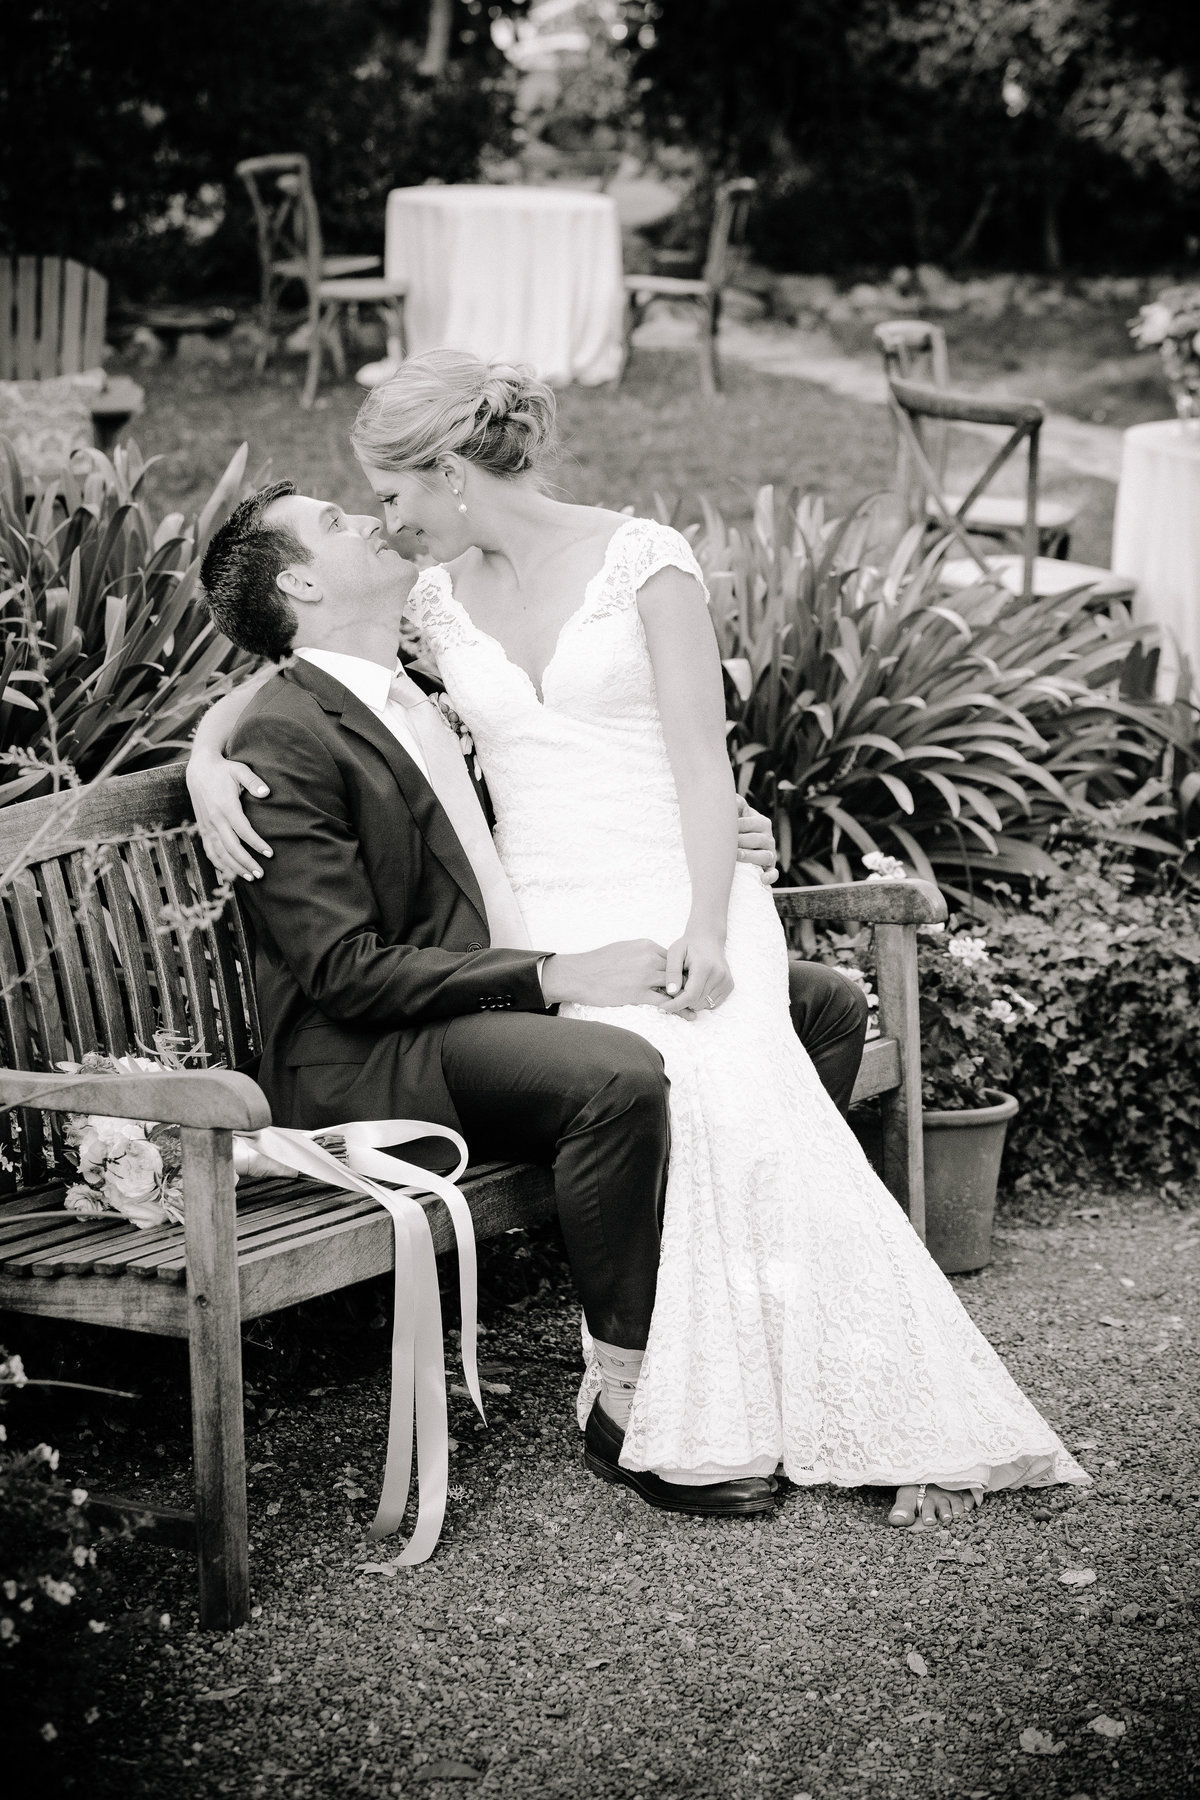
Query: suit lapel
[{"x": 427, "y": 811}]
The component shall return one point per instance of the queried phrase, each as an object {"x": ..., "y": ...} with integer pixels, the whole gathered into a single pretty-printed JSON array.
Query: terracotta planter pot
[{"x": 962, "y": 1168}]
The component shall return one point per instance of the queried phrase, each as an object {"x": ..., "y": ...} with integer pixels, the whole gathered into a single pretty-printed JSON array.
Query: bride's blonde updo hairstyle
[{"x": 491, "y": 414}]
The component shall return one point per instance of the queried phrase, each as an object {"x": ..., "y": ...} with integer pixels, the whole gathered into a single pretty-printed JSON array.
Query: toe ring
[{"x": 921, "y": 1487}]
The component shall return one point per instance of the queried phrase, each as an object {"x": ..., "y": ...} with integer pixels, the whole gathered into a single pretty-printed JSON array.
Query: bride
[{"x": 799, "y": 1322}]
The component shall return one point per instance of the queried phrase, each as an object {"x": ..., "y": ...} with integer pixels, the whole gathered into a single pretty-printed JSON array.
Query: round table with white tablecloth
[
  {"x": 525, "y": 274},
  {"x": 1156, "y": 534}
]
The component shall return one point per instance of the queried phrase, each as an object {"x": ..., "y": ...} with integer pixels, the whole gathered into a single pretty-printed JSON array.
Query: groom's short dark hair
[{"x": 238, "y": 576}]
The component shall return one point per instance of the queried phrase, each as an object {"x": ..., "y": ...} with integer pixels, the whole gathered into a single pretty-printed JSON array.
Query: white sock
[{"x": 619, "y": 1371}]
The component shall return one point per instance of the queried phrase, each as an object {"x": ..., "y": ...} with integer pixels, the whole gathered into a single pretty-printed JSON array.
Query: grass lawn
[
  {"x": 654, "y": 436},
  {"x": 566, "y": 1642}
]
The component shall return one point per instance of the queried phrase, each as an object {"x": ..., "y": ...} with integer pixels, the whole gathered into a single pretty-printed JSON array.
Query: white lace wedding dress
[{"x": 798, "y": 1318}]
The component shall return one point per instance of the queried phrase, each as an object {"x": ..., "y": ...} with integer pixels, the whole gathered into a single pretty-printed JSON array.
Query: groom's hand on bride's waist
[
  {"x": 628, "y": 974},
  {"x": 755, "y": 843}
]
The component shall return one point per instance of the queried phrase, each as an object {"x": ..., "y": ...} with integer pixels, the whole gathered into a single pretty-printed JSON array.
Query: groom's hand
[
  {"x": 755, "y": 843},
  {"x": 628, "y": 974}
]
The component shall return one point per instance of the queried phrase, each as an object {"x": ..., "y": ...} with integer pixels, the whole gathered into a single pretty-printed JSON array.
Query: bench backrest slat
[{"x": 111, "y": 936}]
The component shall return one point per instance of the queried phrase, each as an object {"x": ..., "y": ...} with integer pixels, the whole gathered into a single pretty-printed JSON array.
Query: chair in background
[
  {"x": 728, "y": 230},
  {"x": 913, "y": 350},
  {"x": 916, "y": 408},
  {"x": 290, "y": 249},
  {"x": 52, "y": 320}
]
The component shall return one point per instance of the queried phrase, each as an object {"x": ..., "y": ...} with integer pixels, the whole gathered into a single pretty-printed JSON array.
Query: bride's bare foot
[{"x": 936, "y": 1506}]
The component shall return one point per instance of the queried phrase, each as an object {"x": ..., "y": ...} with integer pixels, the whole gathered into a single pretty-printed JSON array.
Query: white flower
[
  {"x": 9, "y": 1590},
  {"x": 43, "y": 1453},
  {"x": 859, "y": 980},
  {"x": 78, "y": 1496},
  {"x": 81, "y": 1198},
  {"x": 131, "y": 1184},
  {"x": 103, "y": 1138},
  {"x": 969, "y": 950},
  {"x": 97, "y": 1625},
  {"x": 884, "y": 868},
  {"x": 1001, "y": 1011},
  {"x": 79, "y": 1556},
  {"x": 63, "y": 1592},
  {"x": 48, "y": 1732},
  {"x": 1153, "y": 324},
  {"x": 7, "y": 1630},
  {"x": 12, "y": 1371}
]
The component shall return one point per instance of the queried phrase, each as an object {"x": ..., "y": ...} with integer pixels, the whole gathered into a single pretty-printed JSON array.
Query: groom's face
[{"x": 350, "y": 563}]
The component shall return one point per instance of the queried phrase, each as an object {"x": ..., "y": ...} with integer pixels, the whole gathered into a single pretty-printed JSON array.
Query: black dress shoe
[{"x": 721, "y": 1500}]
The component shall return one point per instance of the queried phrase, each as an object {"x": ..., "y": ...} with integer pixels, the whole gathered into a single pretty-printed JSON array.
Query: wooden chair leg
[
  {"x": 312, "y": 378},
  {"x": 215, "y": 1349},
  {"x": 337, "y": 349},
  {"x": 710, "y": 374},
  {"x": 630, "y": 323},
  {"x": 266, "y": 326},
  {"x": 899, "y": 1018}
]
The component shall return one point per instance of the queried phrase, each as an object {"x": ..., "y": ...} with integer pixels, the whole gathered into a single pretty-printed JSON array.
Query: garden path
[
  {"x": 567, "y": 1641},
  {"x": 1069, "y": 446}
]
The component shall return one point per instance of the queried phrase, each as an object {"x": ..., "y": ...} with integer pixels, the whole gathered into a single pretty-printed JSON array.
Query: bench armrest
[
  {"x": 870, "y": 902},
  {"x": 209, "y": 1099}
]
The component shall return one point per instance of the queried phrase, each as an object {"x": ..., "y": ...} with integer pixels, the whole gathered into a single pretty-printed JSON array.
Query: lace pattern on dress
[{"x": 636, "y": 551}]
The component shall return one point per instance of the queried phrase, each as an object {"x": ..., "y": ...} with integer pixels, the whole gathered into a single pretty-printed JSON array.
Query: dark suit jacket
[{"x": 369, "y": 928}]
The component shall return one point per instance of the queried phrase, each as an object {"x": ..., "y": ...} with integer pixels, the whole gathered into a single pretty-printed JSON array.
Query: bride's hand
[
  {"x": 215, "y": 785},
  {"x": 697, "y": 975}
]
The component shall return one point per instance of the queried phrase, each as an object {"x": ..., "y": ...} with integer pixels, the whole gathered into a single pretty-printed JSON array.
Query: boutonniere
[{"x": 466, "y": 742}]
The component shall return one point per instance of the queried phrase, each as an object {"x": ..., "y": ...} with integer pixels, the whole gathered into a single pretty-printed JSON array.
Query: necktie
[{"x": 451, "y": 782}]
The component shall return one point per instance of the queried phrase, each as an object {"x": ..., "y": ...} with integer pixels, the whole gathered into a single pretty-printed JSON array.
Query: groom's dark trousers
[{"x": 381, "y": 998}]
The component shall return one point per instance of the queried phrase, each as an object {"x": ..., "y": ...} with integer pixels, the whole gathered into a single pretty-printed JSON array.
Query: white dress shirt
[{"x": 371, "y": 683}]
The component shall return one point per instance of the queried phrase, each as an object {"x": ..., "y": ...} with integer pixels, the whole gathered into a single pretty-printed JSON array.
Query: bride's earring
[{"x": 457, "y": 492}]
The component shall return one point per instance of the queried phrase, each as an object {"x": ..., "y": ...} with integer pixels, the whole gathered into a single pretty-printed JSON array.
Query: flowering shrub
[
  {"x": 46, "y": 1556},
  {"x": 1171, "y": 325},
  {"x": 972, "y": 1018},
  {"x": 1108, "y": 1070}
]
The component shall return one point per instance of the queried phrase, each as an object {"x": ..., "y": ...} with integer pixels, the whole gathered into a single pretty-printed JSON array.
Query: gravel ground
[{"x": 568, "y": 1641}]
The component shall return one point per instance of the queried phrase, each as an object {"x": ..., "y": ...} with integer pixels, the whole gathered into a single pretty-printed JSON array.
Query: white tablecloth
[
  {"x": 1156, "y": 535},
  {"x": 526, "y": 274}
]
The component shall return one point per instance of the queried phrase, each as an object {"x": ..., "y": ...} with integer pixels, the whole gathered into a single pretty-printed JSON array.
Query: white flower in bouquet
[
  {"x": 81, "y": 1198},
  {"x": 133, "y": 1184},
  {"x": 1002, "y": 1011},
  {"x": 98, "y": 1139}
]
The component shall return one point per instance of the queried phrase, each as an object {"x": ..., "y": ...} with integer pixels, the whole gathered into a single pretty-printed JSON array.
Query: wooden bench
[
  {"x": 52, "y": 320},
  {"x": 87, "y": 962}
]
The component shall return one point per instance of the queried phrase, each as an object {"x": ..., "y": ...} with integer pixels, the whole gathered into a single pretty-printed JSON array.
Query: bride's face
[{"x": 422, "y": 511}]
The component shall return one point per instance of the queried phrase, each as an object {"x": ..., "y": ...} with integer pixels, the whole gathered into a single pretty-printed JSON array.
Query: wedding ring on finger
[{"x": 709, "y": 1001}]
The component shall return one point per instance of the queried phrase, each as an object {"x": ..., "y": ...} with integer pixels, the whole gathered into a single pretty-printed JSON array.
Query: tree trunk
[
  {"x": 970, "y": 237},
  {"x": 437, "y": 38},
  {"x": 1052, "y": 255}
]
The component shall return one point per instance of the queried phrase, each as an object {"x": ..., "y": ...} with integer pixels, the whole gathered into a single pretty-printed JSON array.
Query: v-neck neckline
[{"x": 538, "y": 688}]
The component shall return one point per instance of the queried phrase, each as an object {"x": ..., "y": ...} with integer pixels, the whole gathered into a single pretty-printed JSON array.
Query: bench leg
[
  {"x": 215, "y": 1347},
  {"x": 899, "y": 1018}
]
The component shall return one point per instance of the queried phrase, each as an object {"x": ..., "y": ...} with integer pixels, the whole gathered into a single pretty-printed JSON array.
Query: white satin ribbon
[{"x": 418, "y": 1366}]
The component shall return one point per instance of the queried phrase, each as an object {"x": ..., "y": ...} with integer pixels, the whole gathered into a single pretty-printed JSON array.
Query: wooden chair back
[
  {"x": 915, "y": 407},
  {"x": 285, "y": 216},
  {"x": 52, "y": 317},
  {"x": 731, "y": 213},
  {"x": 108, "y": 938},
  {"x": 914, "y": 350}
]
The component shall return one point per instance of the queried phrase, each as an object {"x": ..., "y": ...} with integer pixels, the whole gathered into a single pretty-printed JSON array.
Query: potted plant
[{"x": 968, "y": 1017}]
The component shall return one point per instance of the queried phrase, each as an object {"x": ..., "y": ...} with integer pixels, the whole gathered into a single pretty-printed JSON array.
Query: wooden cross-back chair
[
  {"x": 915, "y": 350},
  {"x": 290, "y": 249},
  {"x": 90, "y": 960},
  {"x": 53, "y": 313},
  {"x": 731, "y": 211},
  {"x": 917, "y": 407}
]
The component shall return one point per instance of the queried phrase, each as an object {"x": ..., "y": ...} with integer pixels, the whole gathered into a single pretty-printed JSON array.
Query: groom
[{"x": 381, "y": 921}]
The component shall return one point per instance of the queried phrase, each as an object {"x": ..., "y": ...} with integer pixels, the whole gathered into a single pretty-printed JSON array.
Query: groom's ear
[{"x": 297, "y": 583}]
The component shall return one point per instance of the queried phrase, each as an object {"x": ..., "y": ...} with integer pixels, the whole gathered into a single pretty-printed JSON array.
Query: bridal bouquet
[
  {"x": 1171, "y": 325},
  {"x": 132, "y": 1166}
]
